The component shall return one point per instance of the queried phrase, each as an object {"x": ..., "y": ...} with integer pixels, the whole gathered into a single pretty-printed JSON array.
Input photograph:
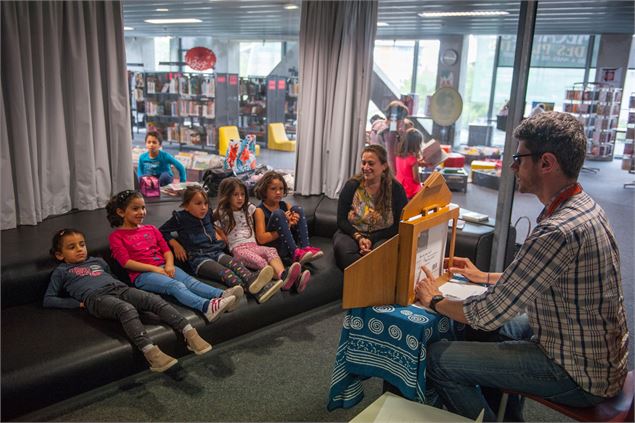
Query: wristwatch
[{"x": 435, "y": 300}]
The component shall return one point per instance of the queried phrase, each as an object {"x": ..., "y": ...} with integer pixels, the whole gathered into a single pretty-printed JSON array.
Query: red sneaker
[
  {"x": 316, "y": 252},
  {"x": 302, "y": 255}
]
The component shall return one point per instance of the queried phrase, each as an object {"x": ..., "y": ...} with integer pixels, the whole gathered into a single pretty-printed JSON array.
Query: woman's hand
[
  {"x": 464, "y": 266},
  {"x": 365, "y": 245},
  {"x": 425, "y": 287}
]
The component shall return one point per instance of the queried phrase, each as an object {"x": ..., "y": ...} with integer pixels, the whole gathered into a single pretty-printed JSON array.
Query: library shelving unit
[
  {"x": 253, "y": 107},
  {"x": 291, "y": 106},
  {"x": 597, "y": 107},
  {"x": 136, "y": 83},
  {"x": 629, "y": 153},
  {"x": 182, "y": 107}
]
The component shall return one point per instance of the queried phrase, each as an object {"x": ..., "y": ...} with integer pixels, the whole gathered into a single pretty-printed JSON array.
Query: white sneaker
[
  {"x": 236, "y": 291},
  {"x": 264, "y": 276},
  {"x": 217, "y": 306}
]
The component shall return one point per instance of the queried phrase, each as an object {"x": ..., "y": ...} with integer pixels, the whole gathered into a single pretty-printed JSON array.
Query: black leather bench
[{"x": 49, "y": 355}]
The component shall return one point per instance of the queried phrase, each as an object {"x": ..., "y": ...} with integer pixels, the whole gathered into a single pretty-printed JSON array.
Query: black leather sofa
[{"x": 49, "y": 355}]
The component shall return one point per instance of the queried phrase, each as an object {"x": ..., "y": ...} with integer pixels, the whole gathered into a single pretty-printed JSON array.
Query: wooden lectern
[{"x": 387, "y": 275}]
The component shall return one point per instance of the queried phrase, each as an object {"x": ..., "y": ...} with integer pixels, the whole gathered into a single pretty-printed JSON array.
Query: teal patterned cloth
[{"x": 389, "y": 342}]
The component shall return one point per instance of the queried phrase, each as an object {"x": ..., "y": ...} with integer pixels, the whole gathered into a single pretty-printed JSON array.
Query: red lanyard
[{"x": 563, "y": 196}]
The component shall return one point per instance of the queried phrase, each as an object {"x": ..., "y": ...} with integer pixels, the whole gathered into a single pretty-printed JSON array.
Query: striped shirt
[{"x": 566, "y": 277}]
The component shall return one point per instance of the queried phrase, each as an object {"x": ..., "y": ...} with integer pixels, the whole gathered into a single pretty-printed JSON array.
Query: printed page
[
  {"x": 461, "y": 291},
  {"x": 430, "y": 251}
]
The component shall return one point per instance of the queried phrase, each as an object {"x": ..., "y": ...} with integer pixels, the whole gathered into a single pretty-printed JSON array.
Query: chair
[
  {"x": 225, "y": 135},
  {"x": 277, "y": 138},
  {"x": 616, "y": 409}
]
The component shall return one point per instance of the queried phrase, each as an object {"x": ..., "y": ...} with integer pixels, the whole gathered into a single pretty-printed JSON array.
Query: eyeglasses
[{"x": 516, "y": 157}]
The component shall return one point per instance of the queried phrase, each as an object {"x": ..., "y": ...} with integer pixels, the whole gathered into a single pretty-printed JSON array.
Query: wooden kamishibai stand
[{"x": 387, "y": 275}]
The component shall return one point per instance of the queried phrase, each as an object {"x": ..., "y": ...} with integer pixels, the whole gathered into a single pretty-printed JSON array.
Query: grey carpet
[{"x": 281, "y": 373}]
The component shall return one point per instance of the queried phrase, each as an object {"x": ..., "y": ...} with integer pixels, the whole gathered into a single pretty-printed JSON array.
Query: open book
[{"x": 431, "y": 154}]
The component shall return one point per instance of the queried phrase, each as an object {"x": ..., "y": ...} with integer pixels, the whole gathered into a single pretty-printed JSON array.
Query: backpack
[
  {"x": 149, "y": 186},
  {"x": 212, "y": 179}
]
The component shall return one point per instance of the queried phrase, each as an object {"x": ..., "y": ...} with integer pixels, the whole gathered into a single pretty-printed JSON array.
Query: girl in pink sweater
[{"x": 143, "y": 252}]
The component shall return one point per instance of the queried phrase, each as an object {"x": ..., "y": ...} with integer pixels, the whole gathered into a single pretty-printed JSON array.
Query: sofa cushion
[{"x": 326, "y": 218}]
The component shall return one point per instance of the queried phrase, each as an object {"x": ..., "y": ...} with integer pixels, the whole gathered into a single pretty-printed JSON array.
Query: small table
[{"x": 389, "y": 342}]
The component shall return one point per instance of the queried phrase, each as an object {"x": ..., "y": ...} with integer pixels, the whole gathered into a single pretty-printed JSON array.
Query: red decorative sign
[
  {"x": 282, "y": 84},
  {"x": 221, "y": 79},
  {"x": 200, "y": 58},
  {"x": 233, "y": 79},
  {"x": 272, "y": 84}
]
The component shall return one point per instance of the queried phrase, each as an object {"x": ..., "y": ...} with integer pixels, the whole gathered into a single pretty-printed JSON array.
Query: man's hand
[
  {"x": 464, "y": 266},
  {"x": 365, "y": 246},
  {"x": 425, "y": 288}
]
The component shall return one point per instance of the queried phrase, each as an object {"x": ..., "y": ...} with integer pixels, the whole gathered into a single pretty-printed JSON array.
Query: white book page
[{"x": 461, "y": 291}]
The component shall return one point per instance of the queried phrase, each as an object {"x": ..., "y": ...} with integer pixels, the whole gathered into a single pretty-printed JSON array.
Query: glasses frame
[{"x": 516, "y": 158}]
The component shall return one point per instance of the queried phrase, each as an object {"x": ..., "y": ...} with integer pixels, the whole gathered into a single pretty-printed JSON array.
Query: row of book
[
  {"x": 588, "y": 108},
  {"x": 199, "y": 108},
  {"x": 606, "y": 95},
  {"x": 182, "y": 84}
]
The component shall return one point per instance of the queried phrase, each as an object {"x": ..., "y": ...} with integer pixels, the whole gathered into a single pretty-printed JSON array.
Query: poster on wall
[{"x": 611, "y": 76}]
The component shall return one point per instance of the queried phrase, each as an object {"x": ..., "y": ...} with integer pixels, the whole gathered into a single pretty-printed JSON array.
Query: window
[{"x": 259, "y": 58}]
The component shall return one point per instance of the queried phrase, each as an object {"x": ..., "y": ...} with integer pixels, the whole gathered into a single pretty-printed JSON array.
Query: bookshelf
[
  {"x": 182, "y": 108},
  {"x": 253, "y": 107},
  {"x": 597, "y": 107},
  {"x": 291, "y": 106}
]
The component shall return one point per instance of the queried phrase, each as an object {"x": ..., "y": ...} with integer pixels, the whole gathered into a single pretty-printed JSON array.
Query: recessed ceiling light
[
  {"x": 382, "y": 23},
  {"x": 465, "y": 13},
  {"x": 162, "y": 10},
  {"x": 128, "y": 28},
  {"x": 290, "y": 6},
  {"x": 173, "y": 21}
]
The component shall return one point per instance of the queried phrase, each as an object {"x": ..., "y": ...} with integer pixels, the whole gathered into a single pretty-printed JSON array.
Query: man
[{"x": 571, "y": 345}]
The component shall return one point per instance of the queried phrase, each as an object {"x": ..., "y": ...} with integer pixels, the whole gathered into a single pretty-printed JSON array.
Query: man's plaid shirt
[{"x": 566, "y": 277}]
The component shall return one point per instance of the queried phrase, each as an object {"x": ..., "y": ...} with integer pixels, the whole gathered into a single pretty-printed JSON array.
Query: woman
[{"x": 369, "y": 208}]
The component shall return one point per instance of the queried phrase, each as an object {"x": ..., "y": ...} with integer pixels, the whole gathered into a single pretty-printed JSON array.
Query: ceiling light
[
  {"x": 382, "y": 24},
  {"x": 162, "y": 10},
  {"x": 173, "y": 21},
  {"x": 466, "y": 13},
  {"x": 290, "y": 6},
  {"x": 128, "y": 28}
]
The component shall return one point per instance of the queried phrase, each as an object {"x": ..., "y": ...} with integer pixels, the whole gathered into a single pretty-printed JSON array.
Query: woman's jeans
[
  {"x": 457, "y": 370},
  {"x": 186, "y": 289}
]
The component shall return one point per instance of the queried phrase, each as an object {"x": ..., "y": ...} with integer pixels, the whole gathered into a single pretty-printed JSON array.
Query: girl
[
  {"x": 234, "y": 214},
  {"x": 157, "y": 162},
  {"x": 197, "y": 245},
  {"x": 279, "y": 225},
  {"x": 143, "y": 252},
  {"x": 407, "y": 163},
  {"x": 85, "y": 282}
]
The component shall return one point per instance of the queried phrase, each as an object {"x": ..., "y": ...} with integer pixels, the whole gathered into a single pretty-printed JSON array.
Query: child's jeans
[
  {"x": 187, "y": 290},
  {"x": 122, "y": 303},
  {"x": 254, "y": 256},
  {"x": 290, "y": 238}
]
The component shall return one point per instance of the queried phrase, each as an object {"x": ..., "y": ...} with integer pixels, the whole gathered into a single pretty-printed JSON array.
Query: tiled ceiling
[{"x": 260, "y": 19}]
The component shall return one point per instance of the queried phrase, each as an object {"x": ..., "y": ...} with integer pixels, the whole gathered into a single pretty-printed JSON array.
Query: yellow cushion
[
  {"x": 225, "y": 135},
  {"x": 277, "y": 138}
]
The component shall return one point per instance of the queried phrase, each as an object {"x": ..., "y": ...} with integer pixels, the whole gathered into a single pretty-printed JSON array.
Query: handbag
[{"x": 149, "y": 186}]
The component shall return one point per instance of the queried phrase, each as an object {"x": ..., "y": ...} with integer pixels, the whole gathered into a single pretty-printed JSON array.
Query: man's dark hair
[{"x": 557, "y": 133}]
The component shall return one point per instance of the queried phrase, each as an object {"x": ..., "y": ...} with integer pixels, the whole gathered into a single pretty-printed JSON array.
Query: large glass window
[
  {"x": 259, "y": 58},
  {"x": 427, "y": 66},
  {"x": 394, "y": 59}
]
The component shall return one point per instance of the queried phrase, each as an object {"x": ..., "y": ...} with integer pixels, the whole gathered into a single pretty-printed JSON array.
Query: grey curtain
[
  {"x": 336, "y": 65},
  {"x": 64, "y": 108}
]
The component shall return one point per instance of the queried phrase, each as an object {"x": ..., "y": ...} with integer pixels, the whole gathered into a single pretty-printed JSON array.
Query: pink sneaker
[
  {"x": 303, "y": 281},
  {"x": 316, "y": 252},
  {"x": 290, "y": 276},
  {"x": 302, "y": 256}
]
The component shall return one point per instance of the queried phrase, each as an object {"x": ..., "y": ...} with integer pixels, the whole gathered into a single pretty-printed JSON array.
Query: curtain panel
[
  {"x": 64, "y": 108},
  {"x": 336, "y": 65}
]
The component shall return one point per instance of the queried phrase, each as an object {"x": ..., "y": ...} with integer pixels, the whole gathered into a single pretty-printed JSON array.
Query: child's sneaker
[
  {"x": 316, "y": 252},
  {"x": 159, "y": 361},
  {"x": 269, "y": 290},
  {"x": 290, "y": 276},
  {"x": 302, "y": 256},
  {"x": 237, "y": 292},
  {"x": 265, "y": 275},
  {"x": 303, "y": 281},
  {"x": 217, "y": 306},
  {"x": 195, "y": 343}
]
